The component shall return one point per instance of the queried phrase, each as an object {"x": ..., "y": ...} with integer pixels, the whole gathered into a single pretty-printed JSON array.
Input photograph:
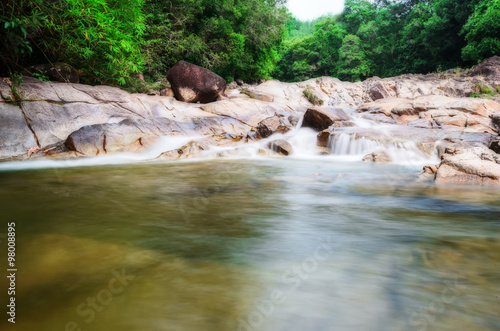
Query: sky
[{"x": 306, "y": 10}]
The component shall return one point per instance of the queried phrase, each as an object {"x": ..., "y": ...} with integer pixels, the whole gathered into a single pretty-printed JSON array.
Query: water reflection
[{"x": 251, "y": 245}]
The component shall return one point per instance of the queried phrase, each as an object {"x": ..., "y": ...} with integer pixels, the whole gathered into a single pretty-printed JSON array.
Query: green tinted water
[{"x": 249, "y": 245}]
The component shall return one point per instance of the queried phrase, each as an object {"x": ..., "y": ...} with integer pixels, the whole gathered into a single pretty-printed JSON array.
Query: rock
[
  {"x": 192, "y": 83},
  {"x": 259, "y": 96},
  {"x": 127, "y": 135},
  {"x": 382, "y": 89},
  {"x": 190, "y": 150},
  {"x": 167, "y": 92},
  {"x": 53, "y": 123},
  {"x": 495, "y": 118},
  {"x": 294, "y": 120},
  {"x": 321, "y": 118},
  {"x": 281, "y": 147},
  {"x": 16, "y": 138},
  {"x": 4, "y": 90},
  {"x": 470, "y": 166},
  {"x": 57, "y": 72},
  {"x": 232, "y": 86},
  {"x": 239, "y": 82},
  {"x": 153, "y": 92},
  {"x": 495, "y": 145},
  {"x": 323, "y": 138},
  {"x": 271, "y": 125},
  {"x": 430, "y": 170},
  {"x": 378, "y": 157},
  {"x": 489, "y": 68}
]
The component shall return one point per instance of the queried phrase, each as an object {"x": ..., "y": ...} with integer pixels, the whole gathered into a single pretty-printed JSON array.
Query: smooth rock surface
[{"x": 192, "y": 83}]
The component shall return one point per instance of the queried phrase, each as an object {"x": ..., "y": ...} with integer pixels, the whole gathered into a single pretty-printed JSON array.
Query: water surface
[{"x": 270, "y": 244}]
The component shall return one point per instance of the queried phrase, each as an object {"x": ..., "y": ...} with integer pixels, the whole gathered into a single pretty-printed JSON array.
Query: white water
[
  {"x": 346, "y": 144},
  {"x": 164, "y": 144}
]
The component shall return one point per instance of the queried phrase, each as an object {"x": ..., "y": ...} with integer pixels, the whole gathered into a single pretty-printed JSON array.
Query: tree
[
  {"x": 353, "y": 63},
  {"x": 100, "y": 37},
  {"x": 236, "y": 39},
  {"x": 482, "y": 32}
]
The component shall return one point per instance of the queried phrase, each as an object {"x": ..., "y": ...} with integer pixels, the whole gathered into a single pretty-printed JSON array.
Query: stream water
[{"x": 306, "y": 242}]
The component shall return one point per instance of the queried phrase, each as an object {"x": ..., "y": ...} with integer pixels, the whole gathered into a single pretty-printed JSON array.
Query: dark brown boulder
[
  {"x": 192, "y": 83},
  {"x": 322, "y": 118}
]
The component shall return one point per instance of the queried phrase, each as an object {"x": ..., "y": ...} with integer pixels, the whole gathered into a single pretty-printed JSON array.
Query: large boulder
[
  {"x": 192, "y": 83},
  {"x": 490, "y": 68},
  {"x": 321, "y": 118}
]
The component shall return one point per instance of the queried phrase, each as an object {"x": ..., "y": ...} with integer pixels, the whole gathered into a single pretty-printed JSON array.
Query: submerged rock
[
  {"x": 378, "y": 157},
  {"x": 192, "y": 83}
]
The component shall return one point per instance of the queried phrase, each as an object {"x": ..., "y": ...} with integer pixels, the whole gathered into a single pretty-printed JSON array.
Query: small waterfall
[{"x": 349, "y": 144}]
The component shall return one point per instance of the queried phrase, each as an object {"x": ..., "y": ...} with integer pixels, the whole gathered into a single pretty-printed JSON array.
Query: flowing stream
[{"x": 306, "y": 242}]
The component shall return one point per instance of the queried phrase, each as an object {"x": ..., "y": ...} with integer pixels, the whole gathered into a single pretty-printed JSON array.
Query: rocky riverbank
[{"x": 443, "y": 113}]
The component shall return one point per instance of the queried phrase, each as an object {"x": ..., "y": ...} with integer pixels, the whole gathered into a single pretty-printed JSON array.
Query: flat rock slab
[{"x": 15, "y": 136}]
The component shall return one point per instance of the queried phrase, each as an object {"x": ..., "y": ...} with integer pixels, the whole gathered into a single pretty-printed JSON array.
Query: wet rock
[
  {"x": 271, "y": 125},
  {"x": 430, "y": 170},
  {"x": 192, "y": 83},
  {"x": 472, "y": 166},
  {"x": 128, "y": 135},
  {"x": 378, "y": 157},
  {"x": 239, "y": 82},
  {"x": 57, "y": 72},
  {"x": 324, "y": 138},
  {"x": 321, "y": 118},
  {"x": 294, "y": 120},
  {"x": 281, "y": 147},
  {"x": 190, "y": 150}
]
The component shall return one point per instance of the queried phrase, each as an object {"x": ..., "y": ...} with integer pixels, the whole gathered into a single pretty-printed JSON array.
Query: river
[{"x": 249, "y": 244}]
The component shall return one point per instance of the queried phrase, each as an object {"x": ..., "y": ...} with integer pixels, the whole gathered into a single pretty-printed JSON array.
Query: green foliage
[
  {"x": 101, "y": 37},
  {"x": 392, "y": 37},
  {"x": 482, "y": 31},
  {"x": 236, "y": 39},
  {"x": 38, "y": 74},
  {"x": 482, "y": 89},
  {"x": 312, "y": 97},
  {"x": 353, "y": 62}
]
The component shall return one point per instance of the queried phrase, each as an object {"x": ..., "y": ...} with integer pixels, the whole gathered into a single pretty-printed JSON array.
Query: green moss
[{"x": 312, "y": 97}]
